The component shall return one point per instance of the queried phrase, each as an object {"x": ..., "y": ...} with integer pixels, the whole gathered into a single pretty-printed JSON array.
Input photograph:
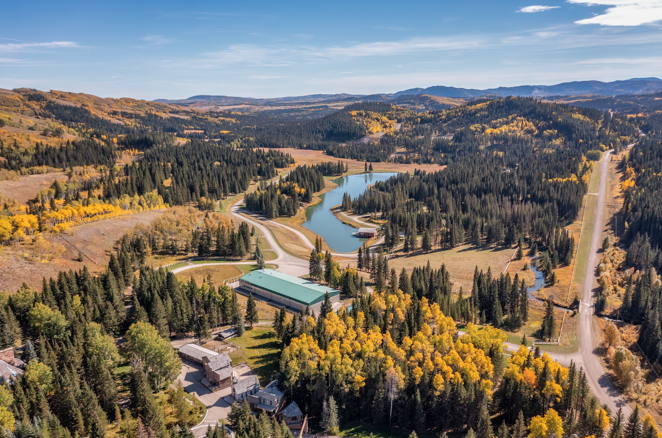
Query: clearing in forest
[{"x": 26, "y": 187}]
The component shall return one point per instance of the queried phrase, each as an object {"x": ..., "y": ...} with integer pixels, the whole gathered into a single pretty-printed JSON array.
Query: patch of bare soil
[
  {"x": 27, "y": 187},
  {"x": 94, "y": 240}
]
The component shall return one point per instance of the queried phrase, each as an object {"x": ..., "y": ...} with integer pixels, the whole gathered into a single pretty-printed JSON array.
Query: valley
[{"x": 141, "y": 217}]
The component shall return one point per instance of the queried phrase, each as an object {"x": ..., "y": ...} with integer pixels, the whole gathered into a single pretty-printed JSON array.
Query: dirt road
[{"x": 598, "y": 381}]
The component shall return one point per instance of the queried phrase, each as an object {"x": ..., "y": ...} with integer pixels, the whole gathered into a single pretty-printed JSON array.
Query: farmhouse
[
  {"x": 286, "y": 290},
  {"x": 218, "y": 367},
  {"x": 366, "y": 232}
]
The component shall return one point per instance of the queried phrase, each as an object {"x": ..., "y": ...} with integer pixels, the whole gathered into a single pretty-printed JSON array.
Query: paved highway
[{"x": 598, "y": 381}]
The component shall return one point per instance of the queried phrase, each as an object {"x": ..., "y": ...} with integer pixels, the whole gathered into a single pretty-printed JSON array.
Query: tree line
[{"x": 283, "y": 198}]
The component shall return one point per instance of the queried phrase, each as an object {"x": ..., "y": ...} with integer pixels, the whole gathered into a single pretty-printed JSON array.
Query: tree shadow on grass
[{"x": 265, "y": 335}]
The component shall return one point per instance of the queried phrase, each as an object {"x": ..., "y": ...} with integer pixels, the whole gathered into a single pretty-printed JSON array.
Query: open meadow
[
  {"x": 95, "y": 240},
  {"x": 26, "y": 187},
  {"x": 315, "y": 157},
  {"x": 460, "y": 262}
]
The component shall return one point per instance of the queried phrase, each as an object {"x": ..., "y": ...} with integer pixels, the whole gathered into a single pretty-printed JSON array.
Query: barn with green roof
[{"x": 286, "y": 290}]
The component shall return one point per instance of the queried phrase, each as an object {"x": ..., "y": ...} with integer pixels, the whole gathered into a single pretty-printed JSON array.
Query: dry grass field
[
  {"x": 95, "y": 240},
  {"x": 217, "y": 274},
  {"x": 516, "y": 267},
  {"x": 563, "y": 292},
  {"x": 316, "y": 157},
  {"x": 460, "y": 262},
  {"x": 27, "y": 187}
]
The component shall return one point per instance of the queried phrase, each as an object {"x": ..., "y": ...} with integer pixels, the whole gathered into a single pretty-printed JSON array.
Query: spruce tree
[
  {"x": 519, "y": 430},
  {"x": 616, "y": 430},
  {"x": 326, "y": 306},
  {"x": 144, "y": 404},
  {"x": 330, "y": 417},
  {"x": 484, "y": 429},
  {"x": 503, "y": 431},
  {"x": 252, "y": 316},
  {"x": 633, "y": 428}
]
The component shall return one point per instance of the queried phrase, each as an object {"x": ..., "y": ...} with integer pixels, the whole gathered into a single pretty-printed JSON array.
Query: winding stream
[
  {"x": 539, "y": 283},
  {"x": 320, "y": 218}
]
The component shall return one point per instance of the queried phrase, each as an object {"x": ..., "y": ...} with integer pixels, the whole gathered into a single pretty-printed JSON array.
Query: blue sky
[{"x": 175, "y": 49}]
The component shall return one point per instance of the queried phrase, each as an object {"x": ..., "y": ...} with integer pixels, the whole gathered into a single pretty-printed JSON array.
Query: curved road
[
  {"x": 598, "y": 381},
  {"x": 252, "y": 219},
  {"x": 600, "y": 384}
]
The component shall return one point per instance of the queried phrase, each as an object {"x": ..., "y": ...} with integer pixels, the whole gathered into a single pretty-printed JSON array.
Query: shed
[{"x": 367, "y": 232}]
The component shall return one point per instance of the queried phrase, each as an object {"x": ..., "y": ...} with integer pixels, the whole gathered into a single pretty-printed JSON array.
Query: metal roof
[
  {"x": 368, "y": 230},
  {"x": 196, "y": 351},
  {"x": 296, "y": 289}
]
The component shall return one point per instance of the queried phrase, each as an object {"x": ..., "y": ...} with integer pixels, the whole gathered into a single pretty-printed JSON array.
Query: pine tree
[
  {"x": 314, "y": 266},
  {"x": 633, "y": 428},
  {"x": 144, "y": 404},
  {"x": 326, "y": 306},
  {"x": 330, "y": 417},
  {"x": 503, "y": 431},
  {"x": 238, "y": 324},
  {"x": 616, "y": 430},
  {"x": 484, "y": 429},
  {"x": 328, "y": 266},
  {"x": 279, "y": 322},
  {"x": 252, "y": 316},
  {"x": 519, "y": 430}
]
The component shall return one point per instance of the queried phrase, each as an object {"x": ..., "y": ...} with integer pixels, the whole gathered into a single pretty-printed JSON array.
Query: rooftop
[
  {"x": 8, "y": 372},
  {"x": 292, "y": 410},
  {"x": 223, "y": 373},
  {"x": 272, "y": 388},
  {"x": 368, "y": 230},
  {"x": 245, "y": 384},
  {"x": 197, "y": 352},
  {"x": 220, "y": 361},
  {"x": 296, "y": 289}
]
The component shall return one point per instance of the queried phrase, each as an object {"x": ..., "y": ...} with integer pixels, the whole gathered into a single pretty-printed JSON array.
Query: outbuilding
[
  {"x": 366, "y": 232},
  {"x": 286, "y": 290}
]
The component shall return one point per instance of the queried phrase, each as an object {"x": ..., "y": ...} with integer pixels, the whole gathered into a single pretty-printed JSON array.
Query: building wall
[{"x": 282, "y": 300}]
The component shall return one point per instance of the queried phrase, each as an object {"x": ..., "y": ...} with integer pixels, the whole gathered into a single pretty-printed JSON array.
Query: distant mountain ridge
[{"x": 632, "y": 86}]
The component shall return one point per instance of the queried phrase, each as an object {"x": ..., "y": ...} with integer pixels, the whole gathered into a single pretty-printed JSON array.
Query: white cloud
[
  {"x": 265, "y": 77},
  {"x": 288, "y": 54},
  {"x": 652, "y": 60},
  {"x": 157, "y": 40},
  {"x": 623, "y": 12},
  {"x": 536, "y": 8},
  {"x": 26, "y": 47}
]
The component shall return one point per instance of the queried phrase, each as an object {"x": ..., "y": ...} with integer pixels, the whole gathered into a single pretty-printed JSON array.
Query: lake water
[{"x": 320, "y": 219}]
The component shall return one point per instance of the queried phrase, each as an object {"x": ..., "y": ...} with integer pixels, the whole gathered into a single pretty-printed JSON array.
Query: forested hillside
[
  {"x": 642, "y": 236},
  {"x": 71, "y": 386},
  {"x": 397, "y": 359}
]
